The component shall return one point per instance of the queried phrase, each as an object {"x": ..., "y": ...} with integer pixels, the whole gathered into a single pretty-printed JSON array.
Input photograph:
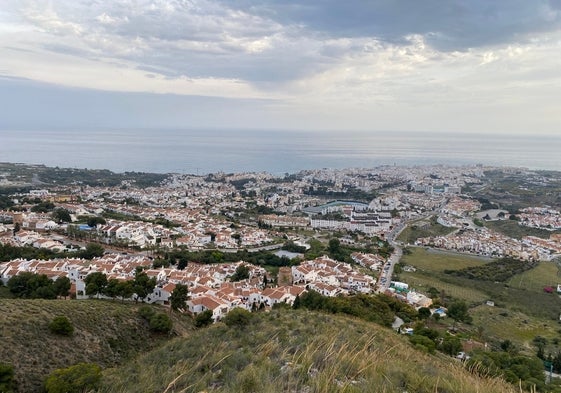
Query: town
[{"x": 362, "y": 211}]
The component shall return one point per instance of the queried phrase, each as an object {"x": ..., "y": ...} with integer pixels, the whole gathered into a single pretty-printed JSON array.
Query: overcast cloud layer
[{"x": 473, "y": 65}]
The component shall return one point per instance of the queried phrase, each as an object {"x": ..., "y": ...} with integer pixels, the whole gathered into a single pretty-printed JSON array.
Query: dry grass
[
  {"x": 295, "y": 351},
  {"x": 106, "y": 333}
]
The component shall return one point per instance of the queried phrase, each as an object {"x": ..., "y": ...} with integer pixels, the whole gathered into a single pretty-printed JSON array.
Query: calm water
[{"x": 189, "y": 151}]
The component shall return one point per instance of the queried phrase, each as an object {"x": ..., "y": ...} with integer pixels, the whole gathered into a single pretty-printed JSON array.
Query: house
[
  {"x": 325, "y": 289},
  {"x": 202, "y": 303},
  {"x": 418, "y": 299},
  {"x": 161, "y": 294}
]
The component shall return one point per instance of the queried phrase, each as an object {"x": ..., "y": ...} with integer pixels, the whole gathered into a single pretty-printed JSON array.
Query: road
[{"x": 385, "y": 277}]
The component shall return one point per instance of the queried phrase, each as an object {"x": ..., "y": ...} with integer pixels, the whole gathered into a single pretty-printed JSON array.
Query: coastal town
[{"x": 363, "y": 210}]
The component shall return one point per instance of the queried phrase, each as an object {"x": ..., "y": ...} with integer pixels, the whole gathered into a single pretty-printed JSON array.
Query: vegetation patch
[
  {"x": 105, "y": 332},
  {"x": 423, "y": 228},
  {"x": 437, "y": 260},
  {"x": 62, "y": 326},
  {"x": 500, "y": 270},
  {"x": 545, "y": 274},
  {"x": 295, "y": 351},
  {"x": 511, "y": 228}
]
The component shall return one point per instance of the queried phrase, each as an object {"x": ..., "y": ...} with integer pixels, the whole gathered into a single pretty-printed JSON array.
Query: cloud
[
  {"x": 448, "y": 25},
  {"x": 338, "y": 62},
  {"x": 270, "y": 43}
]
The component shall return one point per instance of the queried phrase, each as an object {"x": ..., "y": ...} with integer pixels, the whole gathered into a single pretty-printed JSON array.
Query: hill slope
[
  {"x": 106, "y": 333},
  {"x": 295, "y": 351}
]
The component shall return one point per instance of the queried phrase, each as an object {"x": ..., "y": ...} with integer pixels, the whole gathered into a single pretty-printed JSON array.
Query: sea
[{"x": 277, "y": 152}]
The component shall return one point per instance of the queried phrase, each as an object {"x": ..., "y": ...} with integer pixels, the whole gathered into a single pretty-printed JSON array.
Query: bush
[
  {"x": 238, "y": 317},
  {"x": 7, "y": 384},
  {"x": 423, "y": 342},
  {"x": 62, "y": 326},
  {"x": 146, "y": 312},
  {"x": 161, "y": 323},
  {"x": 79, "y": 378},
  {"x": 203, "y": 319}
]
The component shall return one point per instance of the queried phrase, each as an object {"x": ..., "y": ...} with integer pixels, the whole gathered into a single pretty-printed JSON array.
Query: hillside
[
  {"x": 294, "y": 351},
  {"x": 106, "y": 333}
]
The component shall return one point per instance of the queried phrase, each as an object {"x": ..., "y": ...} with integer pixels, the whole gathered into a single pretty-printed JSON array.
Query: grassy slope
[
  {"x": 431, "y": 263},
  {"x": 106, "y": 333},
  {"x": 413, "y": 232},
  {"x": 295, "y": 351},
  {"x": 545, "y": 274},
  {"x": 523, "y": 311}
]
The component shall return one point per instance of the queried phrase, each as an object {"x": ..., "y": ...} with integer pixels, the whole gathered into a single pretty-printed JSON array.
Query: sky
[{"x": 409, "y": 65}]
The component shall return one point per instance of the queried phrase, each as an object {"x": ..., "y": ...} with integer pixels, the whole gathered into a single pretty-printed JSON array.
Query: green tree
[
  {"x": 61, "y": 325},
  {"x": 19, "y": 285},
  {"x": 82, "y": 377},
  {"x": 297, "y": 303},
  {"x": 458, "y": 311},
  {"x": 334, "y": 246},
  {"x": 112, "y": 288},
  {"x": 424, "y": 313},
  {"x": 203, "y": 319},
  {"x": 95, "y": 283},
  {"x": 61, "y": 215},
  {"x": 30, "y": 285},
  {"x": 125, "y": 289},
  {"x": 43, "y": 207},
  {"x": 178, "y": 297},
  {"x": 540, "y": 343},
  {"x": 451, "y": 345},
  {"x": 62, "y": 286},
  {"x": 92, "y": 250},
  {"x": 94, "y": 220},
  {"x": 423, "y": 342},
  {"x": 142, "y": 284},
  {"x": 242, "y": 273},
  {"x": 7, "y": 382}
]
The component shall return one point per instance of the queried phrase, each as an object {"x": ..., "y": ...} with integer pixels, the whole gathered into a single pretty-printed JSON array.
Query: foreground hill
[
  {"x": 294, "y": 351},
  {"x": 105, "y": 332}
]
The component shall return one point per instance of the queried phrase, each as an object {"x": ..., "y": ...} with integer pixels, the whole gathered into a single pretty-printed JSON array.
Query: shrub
[
  {"x": 79, "y": 378},
  {"x": 203, "y": 319},
  {"x": 160, "y": 323},
  {"x": 62, "y": 326},
  {"x": 423, "y": 342},
  {"x": 146, "y": 312},
  {"x": 7, "y": 384},
  {"x": 238, "y": 317}
]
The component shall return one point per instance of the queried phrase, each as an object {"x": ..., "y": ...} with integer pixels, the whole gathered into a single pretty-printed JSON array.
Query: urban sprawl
[{"x": 260, "y": 212}]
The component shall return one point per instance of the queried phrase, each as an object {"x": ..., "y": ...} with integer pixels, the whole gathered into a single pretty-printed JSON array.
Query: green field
[
  {"x": 523, "y": 292},
  {"x": 435, "y": 260},
  {"x": 430, "y": 265},
  {"x": 545, "y": 274},
  {"x": 423, "y": 281}
]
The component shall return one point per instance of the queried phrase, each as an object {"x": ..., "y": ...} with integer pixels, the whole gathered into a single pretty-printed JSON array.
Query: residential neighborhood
[{"x": 260, "y": 212}]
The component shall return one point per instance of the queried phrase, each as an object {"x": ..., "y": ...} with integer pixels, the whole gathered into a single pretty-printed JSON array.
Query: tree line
[
  {"x": 9, "y": 252},
  {"x": 38, "y": 286}
]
